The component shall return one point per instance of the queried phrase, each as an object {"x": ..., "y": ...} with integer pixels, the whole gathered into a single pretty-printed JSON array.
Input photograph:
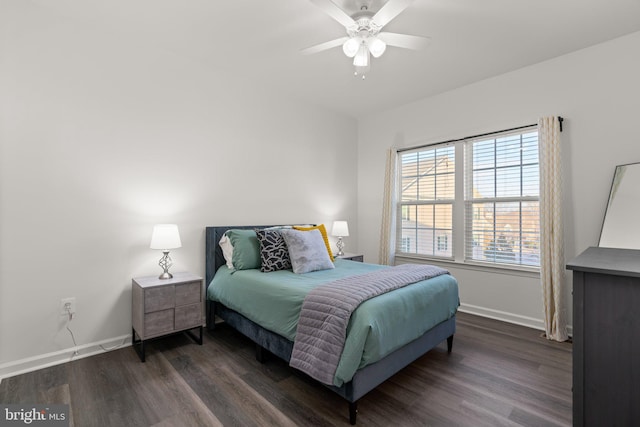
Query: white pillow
[
  {"x": 227, "y": 250},
  {"x": 307, "y": 250}
]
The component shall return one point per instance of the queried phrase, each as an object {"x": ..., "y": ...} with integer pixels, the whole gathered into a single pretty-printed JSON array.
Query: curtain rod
[{"x": 400, "y": 150}]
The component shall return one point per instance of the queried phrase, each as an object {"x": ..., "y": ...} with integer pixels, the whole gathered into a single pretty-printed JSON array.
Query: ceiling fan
[{"x": 364, "y": 33}]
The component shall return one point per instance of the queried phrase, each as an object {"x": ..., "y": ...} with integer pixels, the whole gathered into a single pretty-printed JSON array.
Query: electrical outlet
[{"x": 67, "y": 305}]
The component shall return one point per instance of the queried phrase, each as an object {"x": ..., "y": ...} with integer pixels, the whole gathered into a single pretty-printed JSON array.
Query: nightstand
[
  {"x": 351, "y": 257},
  {"x": 167, "y": 306}
]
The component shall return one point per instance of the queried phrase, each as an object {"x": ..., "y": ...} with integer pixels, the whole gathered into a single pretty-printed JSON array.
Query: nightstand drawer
[
  {"x": 159, "y": 298},
  {"x": 188, "y": 316},
  {"x": 188, "y": 293},
  {"x": 158, "y": 322}
]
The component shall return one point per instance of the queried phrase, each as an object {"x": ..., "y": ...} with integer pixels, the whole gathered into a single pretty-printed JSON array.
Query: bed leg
[
  {"x": 353, "y": 411},
  {"x": 211, "y": 315},
  {"x": 449, "y": 344},
  {"x": 259, "y": 353}
]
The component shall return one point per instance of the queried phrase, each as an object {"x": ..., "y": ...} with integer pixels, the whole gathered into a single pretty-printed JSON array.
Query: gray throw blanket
[{"x": 326, "y": 310}]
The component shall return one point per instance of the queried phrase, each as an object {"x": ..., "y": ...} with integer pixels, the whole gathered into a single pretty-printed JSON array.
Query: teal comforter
[{"x": 378, "y": 327}]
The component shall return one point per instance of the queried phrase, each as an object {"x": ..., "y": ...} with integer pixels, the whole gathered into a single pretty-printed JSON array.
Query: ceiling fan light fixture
[
  {"x": 376, "y": 46},
  {"x": 351, "y": 47},
  {"x": 365, "y": 37},
  {"x": 362, "y": 57}
]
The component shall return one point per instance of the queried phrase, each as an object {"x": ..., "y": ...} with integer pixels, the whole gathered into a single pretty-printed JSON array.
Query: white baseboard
[
  {"x": 504, "y": 316},
  {"x": 34, "y": 363}
]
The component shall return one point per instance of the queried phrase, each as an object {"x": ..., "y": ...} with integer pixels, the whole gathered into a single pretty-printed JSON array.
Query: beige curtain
[
  {"x": 551, "y": 230},
  {"x": 388, "y": 229}
]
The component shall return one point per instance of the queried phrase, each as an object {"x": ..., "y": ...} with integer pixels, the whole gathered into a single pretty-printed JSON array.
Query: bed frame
[{"x": 364, "y": 380}]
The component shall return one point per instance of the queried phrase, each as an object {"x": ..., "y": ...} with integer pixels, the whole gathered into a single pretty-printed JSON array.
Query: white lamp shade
[
  {"x": 376, "y": 47},
  {"x": 340, "y": 229},
  {"x": 350, "y": 47},
  {"x": 165, "y": 236}
]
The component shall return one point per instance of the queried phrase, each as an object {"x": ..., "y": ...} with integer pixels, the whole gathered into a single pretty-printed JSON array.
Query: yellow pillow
[{"x": 323, "y": 231}]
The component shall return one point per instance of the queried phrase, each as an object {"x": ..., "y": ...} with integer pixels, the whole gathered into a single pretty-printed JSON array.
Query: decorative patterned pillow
[
  {"x": 307, "y": 251},
  {"x": 273, "y": 251}
]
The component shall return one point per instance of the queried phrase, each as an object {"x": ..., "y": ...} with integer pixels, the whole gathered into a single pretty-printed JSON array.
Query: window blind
[
  {"x": 502, "y": 205},
  {"x": 427, "y": 193}
]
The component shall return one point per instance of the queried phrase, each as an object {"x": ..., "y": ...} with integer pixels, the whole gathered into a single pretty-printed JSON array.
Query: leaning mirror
[{"x": 621, "y": 225}]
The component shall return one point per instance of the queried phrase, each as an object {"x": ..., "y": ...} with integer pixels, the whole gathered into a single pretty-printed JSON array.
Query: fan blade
[
  {"x": 389, "y": 11},
  {"x": 404, "y": 40},
  {"x": 324, "y": 46},
  {"x": 331, "y": 9}
]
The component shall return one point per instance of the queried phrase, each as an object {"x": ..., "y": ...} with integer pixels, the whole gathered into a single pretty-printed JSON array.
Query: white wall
[
  {"x": 597, "y": 91},
  {"x": 101, "y": 139}
]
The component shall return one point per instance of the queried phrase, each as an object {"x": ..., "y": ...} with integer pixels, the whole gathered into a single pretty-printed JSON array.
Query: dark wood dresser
[{"x": 606, "y": 337}]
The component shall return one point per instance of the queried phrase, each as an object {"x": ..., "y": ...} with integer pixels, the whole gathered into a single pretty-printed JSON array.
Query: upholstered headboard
[{"x": 213, "y": 253}]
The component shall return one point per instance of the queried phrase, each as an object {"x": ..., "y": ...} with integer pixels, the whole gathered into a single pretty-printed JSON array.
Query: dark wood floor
[{"x": 498, "y": 375}]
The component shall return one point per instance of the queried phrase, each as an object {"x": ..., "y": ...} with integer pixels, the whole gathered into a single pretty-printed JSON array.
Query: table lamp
[
  {"x": 165, "y": 237},
  {"x": 340, "y": 229}
]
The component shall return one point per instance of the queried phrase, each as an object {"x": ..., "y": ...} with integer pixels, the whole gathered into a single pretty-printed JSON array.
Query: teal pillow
[{"x": 246, "y": 249}]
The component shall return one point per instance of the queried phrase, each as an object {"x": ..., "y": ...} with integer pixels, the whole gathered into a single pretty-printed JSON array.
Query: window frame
[
  {"x": 402, "y": 207},
  {"x": 461, "y": 217}
]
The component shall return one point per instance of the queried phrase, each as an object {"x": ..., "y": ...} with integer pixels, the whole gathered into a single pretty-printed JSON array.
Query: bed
[{"x": 275, "y": 335}]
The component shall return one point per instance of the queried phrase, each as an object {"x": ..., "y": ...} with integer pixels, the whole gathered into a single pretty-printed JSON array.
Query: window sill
[{"x": 475, "y": 266}]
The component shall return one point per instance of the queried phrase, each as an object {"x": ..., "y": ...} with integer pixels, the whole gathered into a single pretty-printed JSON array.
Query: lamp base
[
  {"x": 340, "y": 245},
  {"x": 165, "y": 262}
]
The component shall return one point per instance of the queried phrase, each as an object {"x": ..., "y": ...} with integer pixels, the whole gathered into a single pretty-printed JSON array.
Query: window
[
  {"x": 405, "y": 213},
  {"x": 406, "y": 244},
  {"x": 443, "y": 243},
  {"x": 502, "y": 200},
  {"x": 427, "y": 180},
  {"x": 498, "y": 205}
]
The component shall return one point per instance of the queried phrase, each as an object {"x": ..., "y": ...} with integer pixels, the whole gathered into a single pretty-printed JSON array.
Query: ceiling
[{"x": 260, "y": 41}]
